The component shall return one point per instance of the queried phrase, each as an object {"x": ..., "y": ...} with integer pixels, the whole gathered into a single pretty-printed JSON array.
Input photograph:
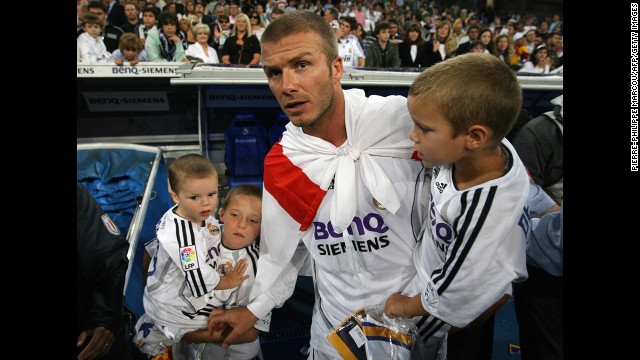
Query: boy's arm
[
  {"x": 487, "y": 252},
  {"x": 152, "y": 47},
  {"x": 234, "y": 276}
]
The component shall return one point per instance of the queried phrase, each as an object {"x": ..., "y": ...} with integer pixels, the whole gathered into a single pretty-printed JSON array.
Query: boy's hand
[
  {"x": 395, "y": 305},
  {"x": 119, "y": 62},
  {"x": 175, "y": 39},
  {"x": 133, "y": 62},
  {"x": 236, "y": 274}
]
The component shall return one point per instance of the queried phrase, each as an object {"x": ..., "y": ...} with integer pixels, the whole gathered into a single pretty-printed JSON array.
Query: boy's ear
[
  {"x": 478, "y": 136},
  {"x": 220, "y": 213},
  {"x": 174, "y": 197}
]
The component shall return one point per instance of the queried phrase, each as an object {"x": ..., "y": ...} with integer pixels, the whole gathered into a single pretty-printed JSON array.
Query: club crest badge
[
  {"x": 223, "y": 268},
  {"x": 377, "y": 204},
  {"x": 214, "y": 230},
  {"x": 109, "y": 225}
]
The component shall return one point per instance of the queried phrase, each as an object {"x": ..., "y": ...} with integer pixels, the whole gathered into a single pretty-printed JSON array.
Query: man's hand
[
  {"x": 240, "y": 319},
  {"x": 99, "y": 345}
]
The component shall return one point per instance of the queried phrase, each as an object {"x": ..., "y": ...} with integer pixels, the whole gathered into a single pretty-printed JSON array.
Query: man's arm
[
  {"x": 244, "y": 318},
  {"x": 101, "y": 271}
]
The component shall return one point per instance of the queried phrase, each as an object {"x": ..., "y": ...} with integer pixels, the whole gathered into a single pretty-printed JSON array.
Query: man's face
[
  {"x": 131, "y": 12},
  {"x": 393, "y": 29},
  {"x": 298, "y": 75},
  {"x": 327, "y": 16},
  {"x": 101, "y": 14}
]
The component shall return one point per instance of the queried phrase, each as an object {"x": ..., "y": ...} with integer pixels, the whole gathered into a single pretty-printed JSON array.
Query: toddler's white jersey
[{"x": 182, "y": 274}]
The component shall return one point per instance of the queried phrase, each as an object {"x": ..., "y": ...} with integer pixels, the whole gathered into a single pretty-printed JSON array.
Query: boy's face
[
  {"x": 169, "y": 29},
  {"x": 241, "y": 220},
  {"x": 432, "y": 134},
  {"x": 197, "y": 198},
  {"x": 383, "y": 35},
  {"x": 92, "y": 29},
  {"x": 130, "y": 54},
  {"x": 149, "y": 20}
]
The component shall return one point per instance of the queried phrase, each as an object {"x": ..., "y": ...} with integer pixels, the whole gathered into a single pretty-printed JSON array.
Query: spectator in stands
[
  {"x": 115, "y": 12},
  {"x": 129, "y": 50},
  {"x": 276, "y": 13},
  {"x": 503, "y": 49},
  {"x": 82, "y": 10},
  {"x": 520, "y": 51},
  {"x": 412, "y": 50},
  {"x": 395, "y": 34},
  {"x": 555, "y": 23},
  {"x": 185, "y": 27},
  {"x": 530, "y": 37},
  {"x": 133, "y": 20},
  {"x": 257, "y": 24},
  {"x": 221, "y": 32},
  {"x": 90, "y": 46},
  {"x": 349, "y": 47},
  {"x": 486, "y": 36},
  {"x": 442, "y": 46},
  {"x": 166, "y": 43},
  {"x": 233, "y": 12},
  {"x": 101, "y": 267},
  {"x": 262, "y": 14},
  {"x": 539, "y": 62},
  {"x": 201, "y": 49},
  {"x": 472, "y": 35},
  {"x": 544, "y": 27},
  {"x": 242, "y": 47},
  {"x": 150, "y": 17},
  {"x": 557, "y": 52},
  {"x": 110, "y": 33},
  {"x": 476, "y": 46},
  {"x": 383, "y": 53}
]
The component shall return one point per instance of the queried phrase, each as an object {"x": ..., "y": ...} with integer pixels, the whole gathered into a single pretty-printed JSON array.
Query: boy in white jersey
[
  {"x": 182, "y": 273},
  {"x": 241, "y": 215},
  {"x": 474, "y": 235}
]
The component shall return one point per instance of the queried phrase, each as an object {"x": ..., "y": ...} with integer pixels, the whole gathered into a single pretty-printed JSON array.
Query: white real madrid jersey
[
  {"x": 181, "y": 275},
  {"x": 474, "y": 242}
]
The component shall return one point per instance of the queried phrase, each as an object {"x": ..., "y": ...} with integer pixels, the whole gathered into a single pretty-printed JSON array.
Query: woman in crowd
[
  {"x": 201, "y": 48},
  {"x": 412, "y": 48},
  {"x": 242, "y": 47}
]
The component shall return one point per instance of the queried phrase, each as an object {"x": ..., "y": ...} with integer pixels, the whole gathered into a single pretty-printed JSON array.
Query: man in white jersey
[{"x": 338, "y": 188}]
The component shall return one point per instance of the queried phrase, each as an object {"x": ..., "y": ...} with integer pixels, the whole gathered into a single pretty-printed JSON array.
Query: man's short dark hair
[
  {"x": 154, "y": 10},
  {"x": 96, "y": 4}
]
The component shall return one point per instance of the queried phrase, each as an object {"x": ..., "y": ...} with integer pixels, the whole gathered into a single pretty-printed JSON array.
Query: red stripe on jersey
[{"x": 291, "y": 187}]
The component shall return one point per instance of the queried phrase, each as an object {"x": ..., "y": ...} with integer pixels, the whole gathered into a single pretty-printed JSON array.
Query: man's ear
[
  {"x": 338, "y": 68},
  {"x": 477, "y": 136}
]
